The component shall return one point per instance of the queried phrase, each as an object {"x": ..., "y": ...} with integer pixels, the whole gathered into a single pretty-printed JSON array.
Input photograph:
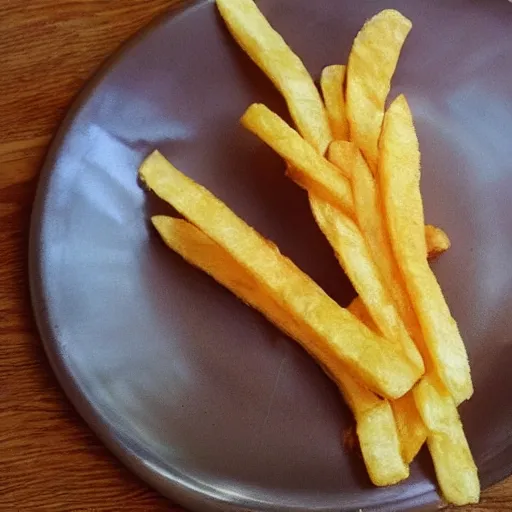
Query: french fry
[
  {"x": 412, "y": 432},
  {"x": 437, "y": 241},
  {"x": 308, "y": 168},
  {"x": 352, "y": 252},
  {"x": 275, "y": 58},
  {"x": 399, "y": 176},
  {"x": 202, "y": 252},
  {"x": 411, "y": 429},
  {"x": 371, "y": 64},
  {"x": 447, "y": 380},
  {"x": 336, "y": 338},
  {"x": 368, "y": 207},
  {"x": 369, "y": 215},
  {"x": 433, "y": 235},
  {"x": 375, "y": 421},
  {"x": 380, "y": 446},
  {"x": 455, "y": 468},
  {"x": 332, "y": 83}
]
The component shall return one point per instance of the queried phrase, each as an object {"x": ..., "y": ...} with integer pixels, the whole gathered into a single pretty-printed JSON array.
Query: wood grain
[{"x": 49, "y": 459}]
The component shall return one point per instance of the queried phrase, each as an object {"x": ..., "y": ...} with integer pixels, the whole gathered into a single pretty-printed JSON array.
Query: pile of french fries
[{"x": 395, "y": 353}]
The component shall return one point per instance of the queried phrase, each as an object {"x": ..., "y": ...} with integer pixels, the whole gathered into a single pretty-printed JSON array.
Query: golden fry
[
  {"x": 367, "y": 204},
  {"x": 435, "y": 398},
  {"x": 399, "y": 176},
  {"x": 455, "y": 468},
  {"x": 275, "y": 58},
  {"x": 336, "y": 338},
  {"x": 357, "y": 306},
  {"x": 380, "y": 446},
  {"x": 411, "y": 429},
  {"x": 434, "y": 248},
  {"x": 412, "y": 432},
  {"x": 332, "y": 83},
  {"x": 376, "y": 425},
  {"x": 371, "y": 64},
  {"x": 368, "y": 208},
  {"x": 353, "y": 254},
  {"x": 202, "y": 252},
  {"x": 307, "y": 167},
  {"x": 437, "y": 241}
]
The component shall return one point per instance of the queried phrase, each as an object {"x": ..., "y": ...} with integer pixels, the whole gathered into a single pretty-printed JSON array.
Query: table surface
[{"x": 49, "y": 459}]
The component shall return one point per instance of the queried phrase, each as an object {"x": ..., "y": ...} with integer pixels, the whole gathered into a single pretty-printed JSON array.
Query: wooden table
[{"x": 49, "y": 459}]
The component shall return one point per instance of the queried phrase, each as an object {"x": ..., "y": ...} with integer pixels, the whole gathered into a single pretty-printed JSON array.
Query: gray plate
[{"x": 194, "y": 391}]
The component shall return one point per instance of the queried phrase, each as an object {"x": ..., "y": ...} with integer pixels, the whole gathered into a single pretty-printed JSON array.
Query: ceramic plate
[{"x": 194, "y": 391}]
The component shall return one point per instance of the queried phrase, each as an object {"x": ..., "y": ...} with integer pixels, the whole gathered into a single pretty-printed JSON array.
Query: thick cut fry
[
  {"x": 455, "y": 468},
  {"x": 376, "y": 424},
  {"x": 371, "y": 64},
  {"x": 399, "y": 176},
  {"x": 332, "y": 83},
  {"x": 352, "y": 252},
  {"x": 411, "y": 429},
  {"x": 380, "y": 445},
  {"x": 412, "y": 432},
  {"x": 367, "y": 204},
  {"x": 437, "y": 241},
  {"x": 202, "y": 252},
  {"x": 287, "y": 72},
  {"x": 369, "y": 214},
  {"x": 307, "y": 167},
  {"x": 336, "y": 338},
  {"x": 357, "y": 307}
]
